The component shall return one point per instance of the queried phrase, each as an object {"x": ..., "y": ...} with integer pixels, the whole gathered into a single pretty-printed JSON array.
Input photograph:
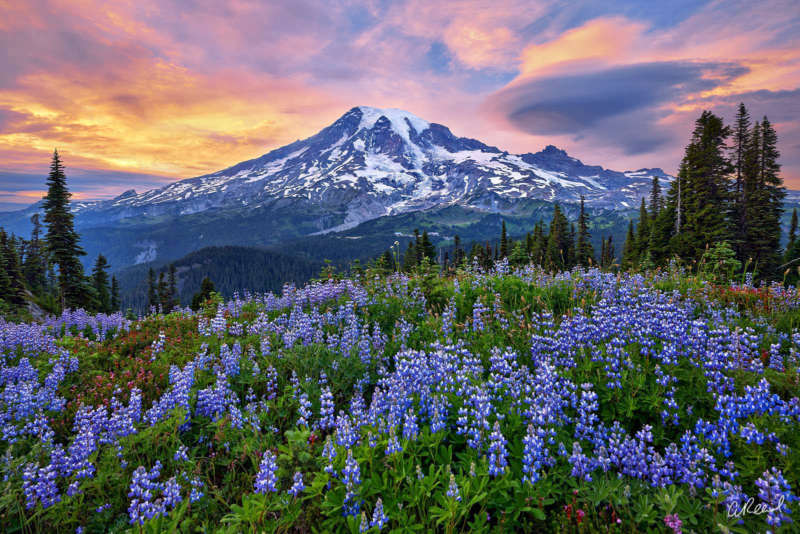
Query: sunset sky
[{"x": 138, "y": 93}]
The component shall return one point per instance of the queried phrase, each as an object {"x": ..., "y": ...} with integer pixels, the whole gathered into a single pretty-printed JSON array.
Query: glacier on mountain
[{"x": 373, "y": 162}]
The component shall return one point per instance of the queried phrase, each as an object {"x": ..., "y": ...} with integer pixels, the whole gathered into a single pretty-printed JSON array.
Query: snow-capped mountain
[
  {"x": 373, "y": 162},
  {"x": 341, "y": 182}
]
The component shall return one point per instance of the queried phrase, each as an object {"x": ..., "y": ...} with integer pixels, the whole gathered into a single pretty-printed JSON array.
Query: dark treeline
[
  {"x": 560, "y": 245},
  {"x": 228, "y": 269},
  {"x": 46, "y": 270}
]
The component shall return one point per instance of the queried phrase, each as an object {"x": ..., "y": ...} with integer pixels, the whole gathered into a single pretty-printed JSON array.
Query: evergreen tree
[
  {"x": 162, "y": 292},
  {"x": 603, "y": 252},
  {"x": 62, "y": 239},
  {"x": 738, "y": 212},
  {"x": 792, "y": 233},
  {"x": 476, "y": 254},
  {"x": 558, "y": 242},
  {"x": 152, "y": 297},
  {"x": 458, "y": 252},
  {"x": 643, "y": 232},
  {"x": 15, "y": 294},
  {"x": 199, "y": 298},
  {"x": 519, "y": 255},
  {"x": 387, "y": 261},
  {"x": 503, "y": 241},
  {"x": 584, "y": 250},
  {"x": 706, "y": 197},
  {"x": 172, "y": 289},
  {"x": 34, "y": 266},
  {"x": 115, "y": 302},
  {"x": 410, "y": 258},
  {"x": 629, "y": 258},
  {"x": 540, "y": 241},
  {"x": 428, "y": 250},
  {"x": 570, "y": 247},
  {"x": 100, "y": 284},
  {"x": 610, "y": 251},
  {"x": 5, "y": 278},
  {"x": 607, "y": 253},
  {"x": 765, "y": 203},
  {"x": 661, "y": 233},
  {"x": 791, "y": 274},
  {"x": 420, "y": 252},
  {"x": 656, "y": 202}
]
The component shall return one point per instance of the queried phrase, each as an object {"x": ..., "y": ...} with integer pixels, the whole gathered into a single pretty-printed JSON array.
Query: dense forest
[{"x": 230, "y": 268}]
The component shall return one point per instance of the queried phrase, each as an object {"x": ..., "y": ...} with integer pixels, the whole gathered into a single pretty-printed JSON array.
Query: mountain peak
[
  {"x": 373, "y": 162},
  {"x": 127, "y": 194},
  {"x": 399, "y": 119},
  {"x": 554, "y": 151}
]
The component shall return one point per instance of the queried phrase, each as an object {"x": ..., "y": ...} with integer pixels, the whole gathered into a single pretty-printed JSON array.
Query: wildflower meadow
[{"x": 502, "y": 400}]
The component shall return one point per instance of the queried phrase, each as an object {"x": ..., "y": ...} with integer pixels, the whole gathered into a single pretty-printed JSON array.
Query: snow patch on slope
[{"x": 398, "y": 118}]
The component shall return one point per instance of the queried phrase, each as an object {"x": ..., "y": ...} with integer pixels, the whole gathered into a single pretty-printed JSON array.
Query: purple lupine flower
[
  {"x": 297, "y": 485},
  {"x": 327, "y": 420},
  {"x": 267, "y": 479},
  {"x": 497, "y": 452},
  {"x": 776, "y": 493},
  {"x": 452, "y": 490},
  {"x": 379, "y": 518},
  {"x": 351, "y": 478}
]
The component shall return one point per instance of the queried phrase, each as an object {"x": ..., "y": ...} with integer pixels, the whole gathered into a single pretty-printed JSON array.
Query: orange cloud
[
  {"x": 156, "y": 117},
  {"x": 599, "y": 40},
  {"x": 480, "y": 33}
]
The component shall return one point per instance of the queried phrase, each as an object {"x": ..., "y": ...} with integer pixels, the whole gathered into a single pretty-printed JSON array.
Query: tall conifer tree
[
  {"x": 162, "y": 290},
  {"x": 410, "y": 257},
  {"x": 152, "y": 295},
  {"x": 5, "y": 279},
  {"x": 15, "y": 294},
  {"x": 706, "y": 195},
  {"x": 584, "y": 252},
  {"x": 738, "y": 212},
  {"x": 115, "y": 302},
  {"x": 503, "y": 241},
  {"x": 172, "y": 287},
  {"x": 766, "y": 201},
  {"x": 62, "y": 239},
  {"x": 100, "y": 284},
  {"x": 558, "y": 241},
  {"x": 428, "y": 250},
  {"x": 629, "y": 257},
  {"x": 656, "y": 202},
  {"x": 792, "y": 233},
  {"x": 643, "y": 232},
  {"x": 35, "y": 265}
]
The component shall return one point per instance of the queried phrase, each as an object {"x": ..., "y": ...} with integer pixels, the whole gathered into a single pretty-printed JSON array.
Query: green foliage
[
  {"x": 205, "y": 293},
  {"x": 720, "y": 263}
]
